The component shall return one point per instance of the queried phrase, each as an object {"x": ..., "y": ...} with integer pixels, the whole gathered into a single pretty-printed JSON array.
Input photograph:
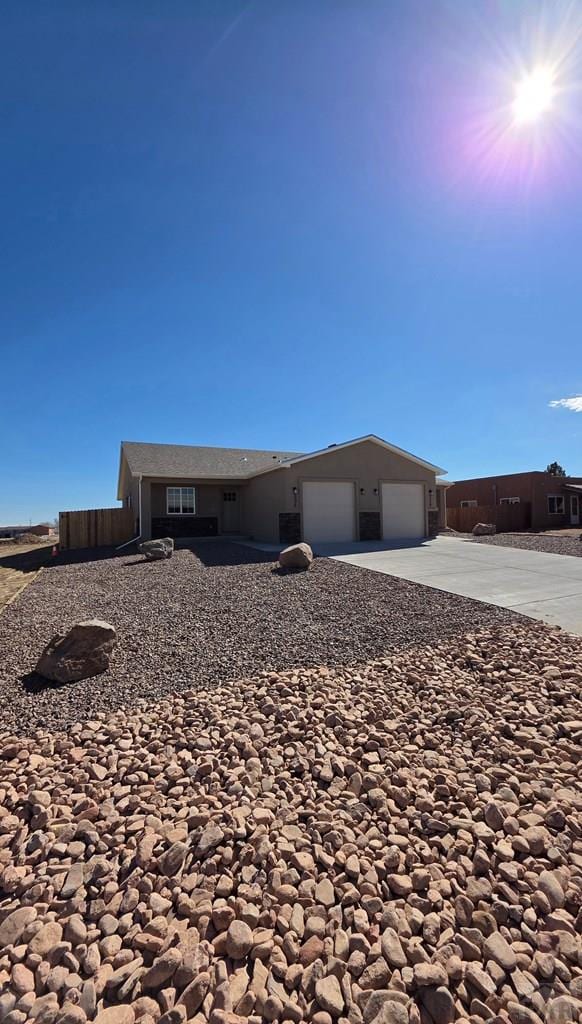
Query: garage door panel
[
  {"x": 403, "y": 511},
  {"x": 328, "y": 510}
]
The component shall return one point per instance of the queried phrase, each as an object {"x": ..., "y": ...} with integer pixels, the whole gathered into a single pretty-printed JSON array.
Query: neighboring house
[
  {"x": 41, "y": 530},
  {"x": 365, "y": 489},
  {"x": 554, "y": 501}
]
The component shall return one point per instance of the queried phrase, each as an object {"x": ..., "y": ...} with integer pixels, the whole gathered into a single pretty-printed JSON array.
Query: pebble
[
  {"x": 370, "y": 844},
  {"x": 239, "y": 939},
  {"x": 329, "y": 995},
  {"x": 498, "y": 949}
]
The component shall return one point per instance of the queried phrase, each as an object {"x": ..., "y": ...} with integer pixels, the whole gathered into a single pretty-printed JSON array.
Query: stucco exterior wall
[
  {"x": 533, "y": 487},
  {"x": 146, "y": 515},
  {"x": 263, "y": 500},
  {"x": 544, "y": 485},
  {"x": 441, "y": 507},
  {"x": 489, "y": 490},
  {"x": 133, "y": 495},
  {"x": 128, "y": 493}
]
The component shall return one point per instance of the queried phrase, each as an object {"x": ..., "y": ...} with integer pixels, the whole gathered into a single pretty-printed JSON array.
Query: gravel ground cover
[
  {"x": 534, "y": 542},
  {"x": 187, "y": 622},
  {"x": 398, "y": 842}
]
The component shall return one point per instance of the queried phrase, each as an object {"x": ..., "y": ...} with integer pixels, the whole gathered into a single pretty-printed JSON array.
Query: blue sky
[{"x": 284, "y": 223}]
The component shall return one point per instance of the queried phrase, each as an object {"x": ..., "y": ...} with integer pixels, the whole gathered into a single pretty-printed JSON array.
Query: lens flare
[{"x": 534, "y": 95}]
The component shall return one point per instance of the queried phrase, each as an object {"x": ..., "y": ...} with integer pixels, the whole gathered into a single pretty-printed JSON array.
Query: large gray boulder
[
  {"x": 484, "y": 529},
  {"x": 82, "y": 652},
  {"x": 297, "y": 556},
  {"x": 156, "y": 549}
]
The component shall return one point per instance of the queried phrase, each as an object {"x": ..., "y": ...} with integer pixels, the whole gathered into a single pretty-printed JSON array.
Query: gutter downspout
[{"x": 134, "y": 539}]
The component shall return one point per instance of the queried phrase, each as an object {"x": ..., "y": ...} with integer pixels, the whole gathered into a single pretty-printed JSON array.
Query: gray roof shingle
[{"x": 184, "y": 460}]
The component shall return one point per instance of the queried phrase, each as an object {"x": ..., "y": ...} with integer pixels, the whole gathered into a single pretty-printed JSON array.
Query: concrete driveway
[{"x": 546, "y": 587}]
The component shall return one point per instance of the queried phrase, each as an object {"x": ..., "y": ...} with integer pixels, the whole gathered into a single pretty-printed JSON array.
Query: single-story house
[
  {"x": 553, "y": 501},
  {"x": 40, "y": 530},
  {"x": 365, "y": 489}
]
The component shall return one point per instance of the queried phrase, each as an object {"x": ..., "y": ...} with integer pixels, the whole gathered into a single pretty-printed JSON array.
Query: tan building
[{"x": 365, "y": 489}]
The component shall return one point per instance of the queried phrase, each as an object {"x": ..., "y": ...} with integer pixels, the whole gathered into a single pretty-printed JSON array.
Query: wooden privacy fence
[
  {"x": 507, "y": 518},
  {"x": 95, "y": 527}
]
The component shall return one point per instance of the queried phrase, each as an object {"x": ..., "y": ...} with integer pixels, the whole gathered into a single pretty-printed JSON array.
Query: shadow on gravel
[
  {"x": 214, "y": 553},
  {"x": 80, "y": 555},
  {"x": 278, "y": 570},
  {"x": 33, "y": 684}
]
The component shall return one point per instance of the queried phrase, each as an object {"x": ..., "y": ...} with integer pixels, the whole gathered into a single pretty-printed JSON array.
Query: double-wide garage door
[
  {"x": 402, "y": 511},
  {"x": 329, "y": 511}
]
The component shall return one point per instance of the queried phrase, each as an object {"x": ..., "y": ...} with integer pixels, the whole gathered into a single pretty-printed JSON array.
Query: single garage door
[
  {"x": 328, "y": 511},
  {"x": 402, "y": 511}
]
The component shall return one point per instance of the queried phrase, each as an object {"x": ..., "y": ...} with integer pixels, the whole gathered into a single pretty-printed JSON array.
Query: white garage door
[
  {"x": 328, "y": 511},
  {"x": 402, "y": 511}
]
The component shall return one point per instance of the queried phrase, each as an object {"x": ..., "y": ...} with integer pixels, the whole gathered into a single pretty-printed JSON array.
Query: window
[
  {"x": 180, "y": 501},
  {"x": 469, "y": 504},
  {"x": 229, "y": 495},
  {"x": 509, "y": 501},
  {"x": 556, "y": 504}
]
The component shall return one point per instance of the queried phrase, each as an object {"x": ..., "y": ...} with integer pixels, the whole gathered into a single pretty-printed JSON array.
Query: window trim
[
  {"x": 510, "y": 501},
  {"x": 178, "y": 487},
  {"x": 469, "y": 503},
  {"x": 556, "y": 498}
]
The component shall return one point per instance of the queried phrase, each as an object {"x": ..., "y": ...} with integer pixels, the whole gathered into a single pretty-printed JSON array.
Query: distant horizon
[{"x": 262, "y": 225}]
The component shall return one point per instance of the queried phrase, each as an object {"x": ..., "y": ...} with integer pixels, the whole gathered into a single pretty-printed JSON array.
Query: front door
[
  {"x": 230, "y": 512},
  {"x": 574, "y": 510}
]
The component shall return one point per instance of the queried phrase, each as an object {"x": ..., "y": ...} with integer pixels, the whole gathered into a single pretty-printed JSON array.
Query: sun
[{"x": 534, "y": 95}]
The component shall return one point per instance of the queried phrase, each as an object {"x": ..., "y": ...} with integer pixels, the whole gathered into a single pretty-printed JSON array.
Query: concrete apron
[{"x": 543, "y": 586}]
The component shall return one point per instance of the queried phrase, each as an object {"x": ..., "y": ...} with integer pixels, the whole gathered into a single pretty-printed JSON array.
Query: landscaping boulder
[
  {"x": 82, "y": 652},
  {"x": 484, "y": 529},
  {"x": 156, "y": 549},
  {"x": 298, "y": 556}
]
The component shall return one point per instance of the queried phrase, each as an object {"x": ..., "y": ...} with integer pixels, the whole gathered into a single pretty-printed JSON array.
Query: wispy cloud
[{"x": 574, "y": 403}]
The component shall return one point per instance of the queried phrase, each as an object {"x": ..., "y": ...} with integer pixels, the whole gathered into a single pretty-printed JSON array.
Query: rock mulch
[
  {"x": 535, "y": 542},
  {"x": 185, "y": 622},
  {"x": 394, "y": 843}
]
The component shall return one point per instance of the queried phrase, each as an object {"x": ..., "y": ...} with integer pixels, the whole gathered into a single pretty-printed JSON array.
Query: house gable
[{"x": 368, "y": 438}]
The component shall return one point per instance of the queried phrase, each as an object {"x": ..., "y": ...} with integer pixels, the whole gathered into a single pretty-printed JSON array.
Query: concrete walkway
[{"x": 546, "y": 587}]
